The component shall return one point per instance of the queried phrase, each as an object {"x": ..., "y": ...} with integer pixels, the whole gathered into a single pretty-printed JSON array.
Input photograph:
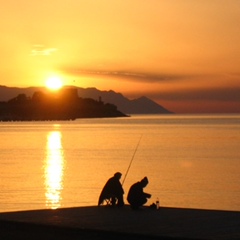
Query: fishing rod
[{"x": 132, "y": 159}]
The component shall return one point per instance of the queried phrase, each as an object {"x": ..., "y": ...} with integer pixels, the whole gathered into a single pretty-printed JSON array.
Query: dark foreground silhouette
[{"x": 94, "y": 223}]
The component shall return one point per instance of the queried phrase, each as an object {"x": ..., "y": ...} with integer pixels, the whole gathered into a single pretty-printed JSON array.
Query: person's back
[
  {"x": 135, "y": 192},
  {"x": 112, "y": 191}
]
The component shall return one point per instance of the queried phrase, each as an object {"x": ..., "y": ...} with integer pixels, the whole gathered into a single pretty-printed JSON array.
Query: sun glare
[{"x": 54, "y": 83}]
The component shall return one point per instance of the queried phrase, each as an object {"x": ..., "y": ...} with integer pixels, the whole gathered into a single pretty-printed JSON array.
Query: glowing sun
[{"x": 54, "y": 83}]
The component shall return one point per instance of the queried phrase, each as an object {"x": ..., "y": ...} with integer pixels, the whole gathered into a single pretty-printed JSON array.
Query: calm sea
[{"x": 191, "y": 161}]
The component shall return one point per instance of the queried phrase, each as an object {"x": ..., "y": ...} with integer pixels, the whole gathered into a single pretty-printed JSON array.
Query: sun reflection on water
[{"x": 54, "y": 166}]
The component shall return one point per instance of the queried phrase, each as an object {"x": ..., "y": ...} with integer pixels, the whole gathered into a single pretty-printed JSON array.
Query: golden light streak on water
[{"x": 54, "y": 166}]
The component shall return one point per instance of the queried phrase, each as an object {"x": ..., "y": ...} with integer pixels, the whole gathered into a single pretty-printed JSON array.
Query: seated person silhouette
[
  {"x": 112, "y": 192},
  {"x": 136, "y": 197}
]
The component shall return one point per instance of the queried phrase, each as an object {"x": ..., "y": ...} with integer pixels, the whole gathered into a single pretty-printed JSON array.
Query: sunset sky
[{"x": 183, "y": 54}]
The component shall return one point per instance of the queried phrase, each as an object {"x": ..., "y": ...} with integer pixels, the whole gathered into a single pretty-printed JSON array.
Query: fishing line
[{"x": 132, "y": 159}]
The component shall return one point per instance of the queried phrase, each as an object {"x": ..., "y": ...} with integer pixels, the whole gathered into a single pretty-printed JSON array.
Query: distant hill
[
  {"x": 64, "y": 104},
  {"x": 7, "y": 93},
  {"x": 142, "y": 105}
]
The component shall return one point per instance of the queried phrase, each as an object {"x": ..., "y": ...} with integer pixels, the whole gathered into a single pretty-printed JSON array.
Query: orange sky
[{"x": 184, "y": 54}]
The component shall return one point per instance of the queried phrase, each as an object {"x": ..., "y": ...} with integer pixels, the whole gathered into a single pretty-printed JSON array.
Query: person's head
[
  {"x": 144, "y": 181},
  {"x": 117, "y": 175}
]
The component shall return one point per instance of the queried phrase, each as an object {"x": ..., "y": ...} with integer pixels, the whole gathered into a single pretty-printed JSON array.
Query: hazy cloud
[
  {"x": 41, "y": 50},
  {"x": 128, "y": 75}
]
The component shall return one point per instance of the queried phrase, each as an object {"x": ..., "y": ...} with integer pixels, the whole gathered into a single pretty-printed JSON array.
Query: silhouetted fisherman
[
  {"x": 112, "y": 191},
  {"x": 136, "y": 197}
]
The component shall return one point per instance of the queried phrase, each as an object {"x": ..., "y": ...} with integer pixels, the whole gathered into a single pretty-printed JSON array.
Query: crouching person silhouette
[
  {"x": 136, "y": 197},
  {"x": 112, "y": 192}
]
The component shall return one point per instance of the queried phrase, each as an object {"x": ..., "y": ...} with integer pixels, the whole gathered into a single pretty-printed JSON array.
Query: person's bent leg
[
  {"x": 143, "y": 201},
  {"x": 120, "y": 202},
  {"x": 137, "y": 204},
  {"x": 113, "y": 201}
]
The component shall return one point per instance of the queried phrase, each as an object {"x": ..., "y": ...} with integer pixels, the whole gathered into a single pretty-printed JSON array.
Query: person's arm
[{"x": 147, "y": 195}]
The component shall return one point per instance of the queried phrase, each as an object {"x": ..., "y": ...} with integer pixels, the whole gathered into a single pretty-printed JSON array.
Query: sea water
[{"x": 191, "y": 161}]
